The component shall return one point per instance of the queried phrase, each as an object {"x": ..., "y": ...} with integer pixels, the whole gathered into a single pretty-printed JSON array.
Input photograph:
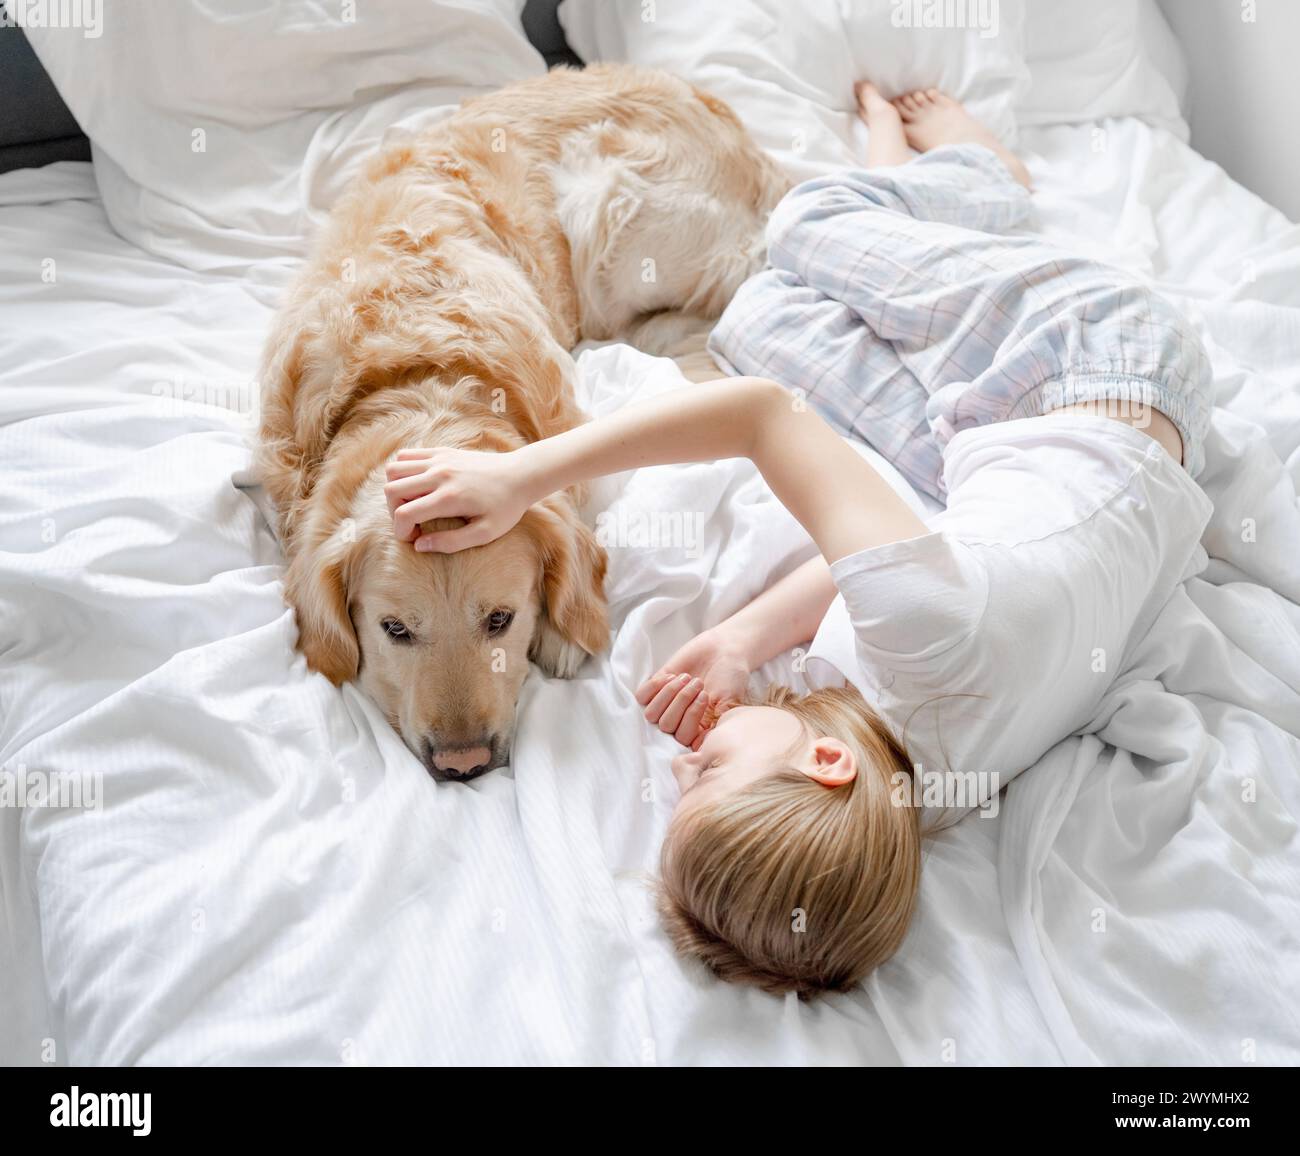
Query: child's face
[{"x": 747, "y": 743}]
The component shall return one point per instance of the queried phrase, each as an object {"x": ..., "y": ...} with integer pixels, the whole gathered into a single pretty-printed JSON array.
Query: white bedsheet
[{"x": 273, "y": 879}]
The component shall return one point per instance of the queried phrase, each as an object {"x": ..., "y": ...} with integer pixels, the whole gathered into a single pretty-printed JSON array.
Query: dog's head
[{"x": 441, "y": 642}]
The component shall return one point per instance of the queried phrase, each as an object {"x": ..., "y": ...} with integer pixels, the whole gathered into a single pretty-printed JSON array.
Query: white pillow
[
  {"x": 788, "y": 69},
  {"x": 973, "y": 50},
  {"x": 223, "y": 130},
  {"x": 786, "y": 72},
  {"x": 1105, "y": 58}
]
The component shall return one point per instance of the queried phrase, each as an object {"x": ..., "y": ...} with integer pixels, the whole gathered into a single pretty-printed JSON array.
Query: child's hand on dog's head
[{"x": 483, "y": 489}]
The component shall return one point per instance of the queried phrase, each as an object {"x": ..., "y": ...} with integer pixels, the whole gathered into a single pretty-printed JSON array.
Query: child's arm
[
  {"x": 839, "y": 498},
  {"x": 784, "y": 615},
  {"x": 717, "y": 663}
]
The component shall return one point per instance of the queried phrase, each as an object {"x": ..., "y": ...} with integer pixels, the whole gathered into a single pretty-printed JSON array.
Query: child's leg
[
  {"x": 821, "y": 320},
  {"x": 834, "y": 232},
  {"x": 932, "y": 119},
  {"x": 925, "y": 119},
  {"x": 887, "y": 141},
  {"x": 779, "y": 328},
  {"x": 993, "y": 327},
  {"x": 895, "y": 305}
]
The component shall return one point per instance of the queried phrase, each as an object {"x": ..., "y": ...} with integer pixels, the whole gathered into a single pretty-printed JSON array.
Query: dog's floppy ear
[
  {"x": 316, "y": 586},
  {"x": 574, "y": 621}
]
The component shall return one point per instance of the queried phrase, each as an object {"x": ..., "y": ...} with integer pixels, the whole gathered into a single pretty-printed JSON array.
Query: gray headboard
[{"x": 37, "y": 128}]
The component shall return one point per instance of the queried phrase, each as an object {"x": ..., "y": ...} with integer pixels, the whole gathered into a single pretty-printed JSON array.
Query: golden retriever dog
[{"x": 438, "y": 309}]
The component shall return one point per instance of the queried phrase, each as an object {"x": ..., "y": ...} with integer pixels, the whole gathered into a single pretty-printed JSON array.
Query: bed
[{"x": 267, "y": 877}]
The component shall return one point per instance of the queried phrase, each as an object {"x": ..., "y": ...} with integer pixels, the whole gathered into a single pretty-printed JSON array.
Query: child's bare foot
[
  {"x": 932, "y": 118},
  {"x": 887, "y": 142},
  {"x": 870, "y": 101}
]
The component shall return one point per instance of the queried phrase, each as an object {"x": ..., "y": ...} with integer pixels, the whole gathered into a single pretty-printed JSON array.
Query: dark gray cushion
[
  {"x": 37, "y": 127},
  {"x": 542, "y": 26}
]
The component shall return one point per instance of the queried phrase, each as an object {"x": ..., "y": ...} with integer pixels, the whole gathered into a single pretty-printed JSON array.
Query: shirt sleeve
[{"x": 912, "y": 602}]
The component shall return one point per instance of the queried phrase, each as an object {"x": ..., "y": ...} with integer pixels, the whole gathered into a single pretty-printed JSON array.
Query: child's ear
[
  {"x": 574, "y": 621},
  {"x": 832, "y": 763}
]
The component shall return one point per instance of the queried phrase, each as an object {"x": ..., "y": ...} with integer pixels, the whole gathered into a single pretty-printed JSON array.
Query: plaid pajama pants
[{"x": 897, "y": 302}]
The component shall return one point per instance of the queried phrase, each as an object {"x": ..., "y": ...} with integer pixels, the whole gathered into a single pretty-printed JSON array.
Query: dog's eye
[
  {"x": 498, "y": 622},
  {"x": 395, "y": 630}
]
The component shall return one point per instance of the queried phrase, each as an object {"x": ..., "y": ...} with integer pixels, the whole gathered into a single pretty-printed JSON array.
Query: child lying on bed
[{"x": 1048, "y": 399}]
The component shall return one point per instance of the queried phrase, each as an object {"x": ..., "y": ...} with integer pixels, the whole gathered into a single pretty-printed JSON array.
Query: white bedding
[{"x": 273, "y": 879}]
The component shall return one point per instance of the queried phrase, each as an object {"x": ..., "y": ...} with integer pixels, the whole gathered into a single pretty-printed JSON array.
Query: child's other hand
[
  {"x": 685, "y": 696},
  {"x": 488, "y": 490}
]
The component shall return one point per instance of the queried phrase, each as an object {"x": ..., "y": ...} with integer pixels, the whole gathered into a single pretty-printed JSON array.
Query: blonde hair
[{"x": 793, "y": 886}]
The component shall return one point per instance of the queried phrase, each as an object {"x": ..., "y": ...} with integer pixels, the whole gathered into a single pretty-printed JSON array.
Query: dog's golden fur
[{"x": 438, "y": 309}]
